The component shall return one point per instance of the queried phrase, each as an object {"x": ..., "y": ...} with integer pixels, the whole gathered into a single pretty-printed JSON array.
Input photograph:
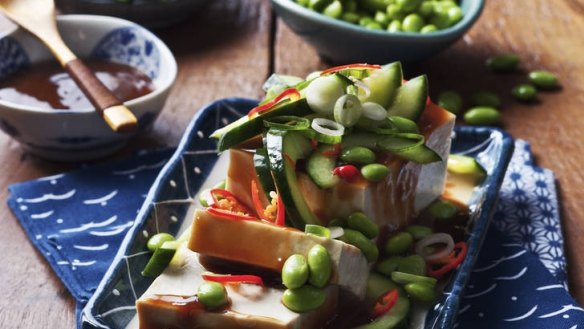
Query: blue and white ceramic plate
[{"x": 196, "y": 166}]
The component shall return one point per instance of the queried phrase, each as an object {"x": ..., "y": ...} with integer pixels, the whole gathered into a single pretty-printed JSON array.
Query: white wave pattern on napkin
[{"x": 528, "y": 210}]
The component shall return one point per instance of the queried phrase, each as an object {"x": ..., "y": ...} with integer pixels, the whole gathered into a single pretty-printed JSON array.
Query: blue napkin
[{"x": 77, "y": 221}]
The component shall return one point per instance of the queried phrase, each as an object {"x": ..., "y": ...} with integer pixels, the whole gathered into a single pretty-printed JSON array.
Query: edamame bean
[
  {"x": 350, "y": 17},
  {"x": 524, "y": 93},
  {"x": 450, "y": 100},
  {"x": 319, "y": 265},
  {"x": 399, "y": 243},
  {"x": 503, "y": 63},
  {"x": 374, "y": 172},
  {"x": 303, "y": 299},
  {"x": 408, "y": 5},
  {"x": 442, "y": 209},
  {"x": 318, "y": 5},
  {"x": 394, "y": 11},
  {"x": 365, "y": 20},
  {"x": 381, "y": 18},
  {"x": 420, "y": 291},
  {"x": 334, "y": 10},
  {"x": 482, "y": 115},
  {"x": 394, "y": 26},
  {"x": 412, "y": 23},
  {"x": 357, "y": 239},
  {"x": 412, "y": 264},
  {"x": 543, "y": 79},
  {"x": 486, "y": 98},
  {"x": 388, "y": 265},
  {"x": 374, "y": 26},
  {"x": 454, "y": 15},
  {"x": 295, "y": 271},
  {"x": 373, "y": 5},
  {"x": 358, "y": 155},
  {"x": 360, "y": 222},
  {"x": 426, "y": 9},
  {"x": 418, "y": 231},
  {"x": 212, "y": 295},
  {"x": 157, "y": 240},
  {"x": 428, "y": 29},
  {"x": 440, "y": 19}
]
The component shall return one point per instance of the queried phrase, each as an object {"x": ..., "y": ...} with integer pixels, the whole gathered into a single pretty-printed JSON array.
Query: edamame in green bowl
[{"x": 340, "y": 41}]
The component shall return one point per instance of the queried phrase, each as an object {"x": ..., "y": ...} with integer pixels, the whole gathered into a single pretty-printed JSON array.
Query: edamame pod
[{"x": 357, "y": 239}]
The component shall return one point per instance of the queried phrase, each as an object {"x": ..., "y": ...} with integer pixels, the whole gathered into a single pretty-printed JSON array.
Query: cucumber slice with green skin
[
  {"x": 320, "y": 169},
  {"x": 262, "y": 168},
  {"x": 160, "y": 259},
  {"x": 284, "y": 149},
  {"x": 377, "y": 285},
  {"x": 383, "y": 84},
  {"x": 405, "y": 145},
  {"x": 410, "y": 99},
  {"x": 245, "y": 128}
]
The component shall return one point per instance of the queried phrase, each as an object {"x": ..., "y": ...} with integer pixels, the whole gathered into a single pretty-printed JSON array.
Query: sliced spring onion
[
  {"x": 336, "y": 232},
  {"x": 317, "y": 230},
  {"x": 347, "y": 110},
  {"x": 287, "y": 122},
  {"x": 374, "y": 111},
  {"x": 433, "y": 239},
  {"x": 327, "y": 131},
  {"x": 362, "y": 86}
]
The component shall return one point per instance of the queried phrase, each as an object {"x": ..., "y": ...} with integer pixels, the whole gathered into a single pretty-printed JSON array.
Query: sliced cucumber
[
  {"x": 244, "y": 128},
  {"x": 410, "y": 99},
  {"x": 320, "y": 169},
  {"x": 383, "y": 84},
  {"x": 262, "y": 168},
  {"x": 377, "y": 285},
  {"x": 160, "y": 259},
  {"x": 284, "y": 149}
]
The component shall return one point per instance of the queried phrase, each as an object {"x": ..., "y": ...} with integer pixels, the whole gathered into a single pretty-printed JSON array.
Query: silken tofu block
[
  {"x": 170, "y": 302},
  {"x": 391, "y": 203},
  {"x": 268, "y": 246},
  {"x": 408, "y": 189}
]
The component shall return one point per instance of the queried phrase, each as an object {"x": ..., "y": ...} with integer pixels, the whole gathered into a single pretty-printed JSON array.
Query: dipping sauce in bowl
[{"x": 46, "y": 85}]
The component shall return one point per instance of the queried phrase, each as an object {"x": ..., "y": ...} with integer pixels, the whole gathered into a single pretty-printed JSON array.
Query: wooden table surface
[{"x": 230, "y": 48}]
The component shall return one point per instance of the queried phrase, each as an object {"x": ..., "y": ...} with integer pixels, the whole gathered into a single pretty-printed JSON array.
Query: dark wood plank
[
  {"x": 223, "y": 51},
  {"x": 546, "y": 35}
]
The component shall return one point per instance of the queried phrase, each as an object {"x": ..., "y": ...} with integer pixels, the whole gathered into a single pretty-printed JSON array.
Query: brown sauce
[{"x": 46, "y": 85}]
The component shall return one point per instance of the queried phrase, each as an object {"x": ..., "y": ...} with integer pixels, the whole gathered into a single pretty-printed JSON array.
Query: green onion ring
[
  {"x": 287, "y": 122},
  {"x": 327, "y": 131}
]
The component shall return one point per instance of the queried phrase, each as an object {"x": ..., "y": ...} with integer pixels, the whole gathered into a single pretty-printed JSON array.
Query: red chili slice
[
  {"x": 346, "y": 172},
  {"x": 257, "y": 203},
  {"x": 455, "y": 259},
  {"x": 228, "y": 214},
  {"x": 357, "y": 66},
  {"x": 290, "y": 93},
  {"x": 254, "y": 279},
  {"x": 235, "y": 205},
  {"x": 281, "y": 216},
  {"x": 384, "y": 303}
]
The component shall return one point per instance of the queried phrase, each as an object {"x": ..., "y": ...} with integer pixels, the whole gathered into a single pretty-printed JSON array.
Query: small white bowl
[{"x": 76, "y": 135}]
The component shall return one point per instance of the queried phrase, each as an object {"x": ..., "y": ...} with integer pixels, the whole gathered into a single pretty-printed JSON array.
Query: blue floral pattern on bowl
[
  {"x": 12, "y": 57},
  {"x": 129, "y": 46}
]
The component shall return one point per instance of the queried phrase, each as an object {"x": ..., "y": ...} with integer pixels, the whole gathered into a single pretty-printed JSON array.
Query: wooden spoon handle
[{"x": 117, "y": 116}]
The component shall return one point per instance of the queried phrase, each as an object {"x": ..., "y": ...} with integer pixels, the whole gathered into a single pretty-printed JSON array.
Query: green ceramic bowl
[{"x": 341, "y": 42}]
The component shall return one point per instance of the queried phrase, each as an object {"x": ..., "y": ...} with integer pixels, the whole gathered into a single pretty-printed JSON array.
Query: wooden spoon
[{"x": 38, "y": 17}]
